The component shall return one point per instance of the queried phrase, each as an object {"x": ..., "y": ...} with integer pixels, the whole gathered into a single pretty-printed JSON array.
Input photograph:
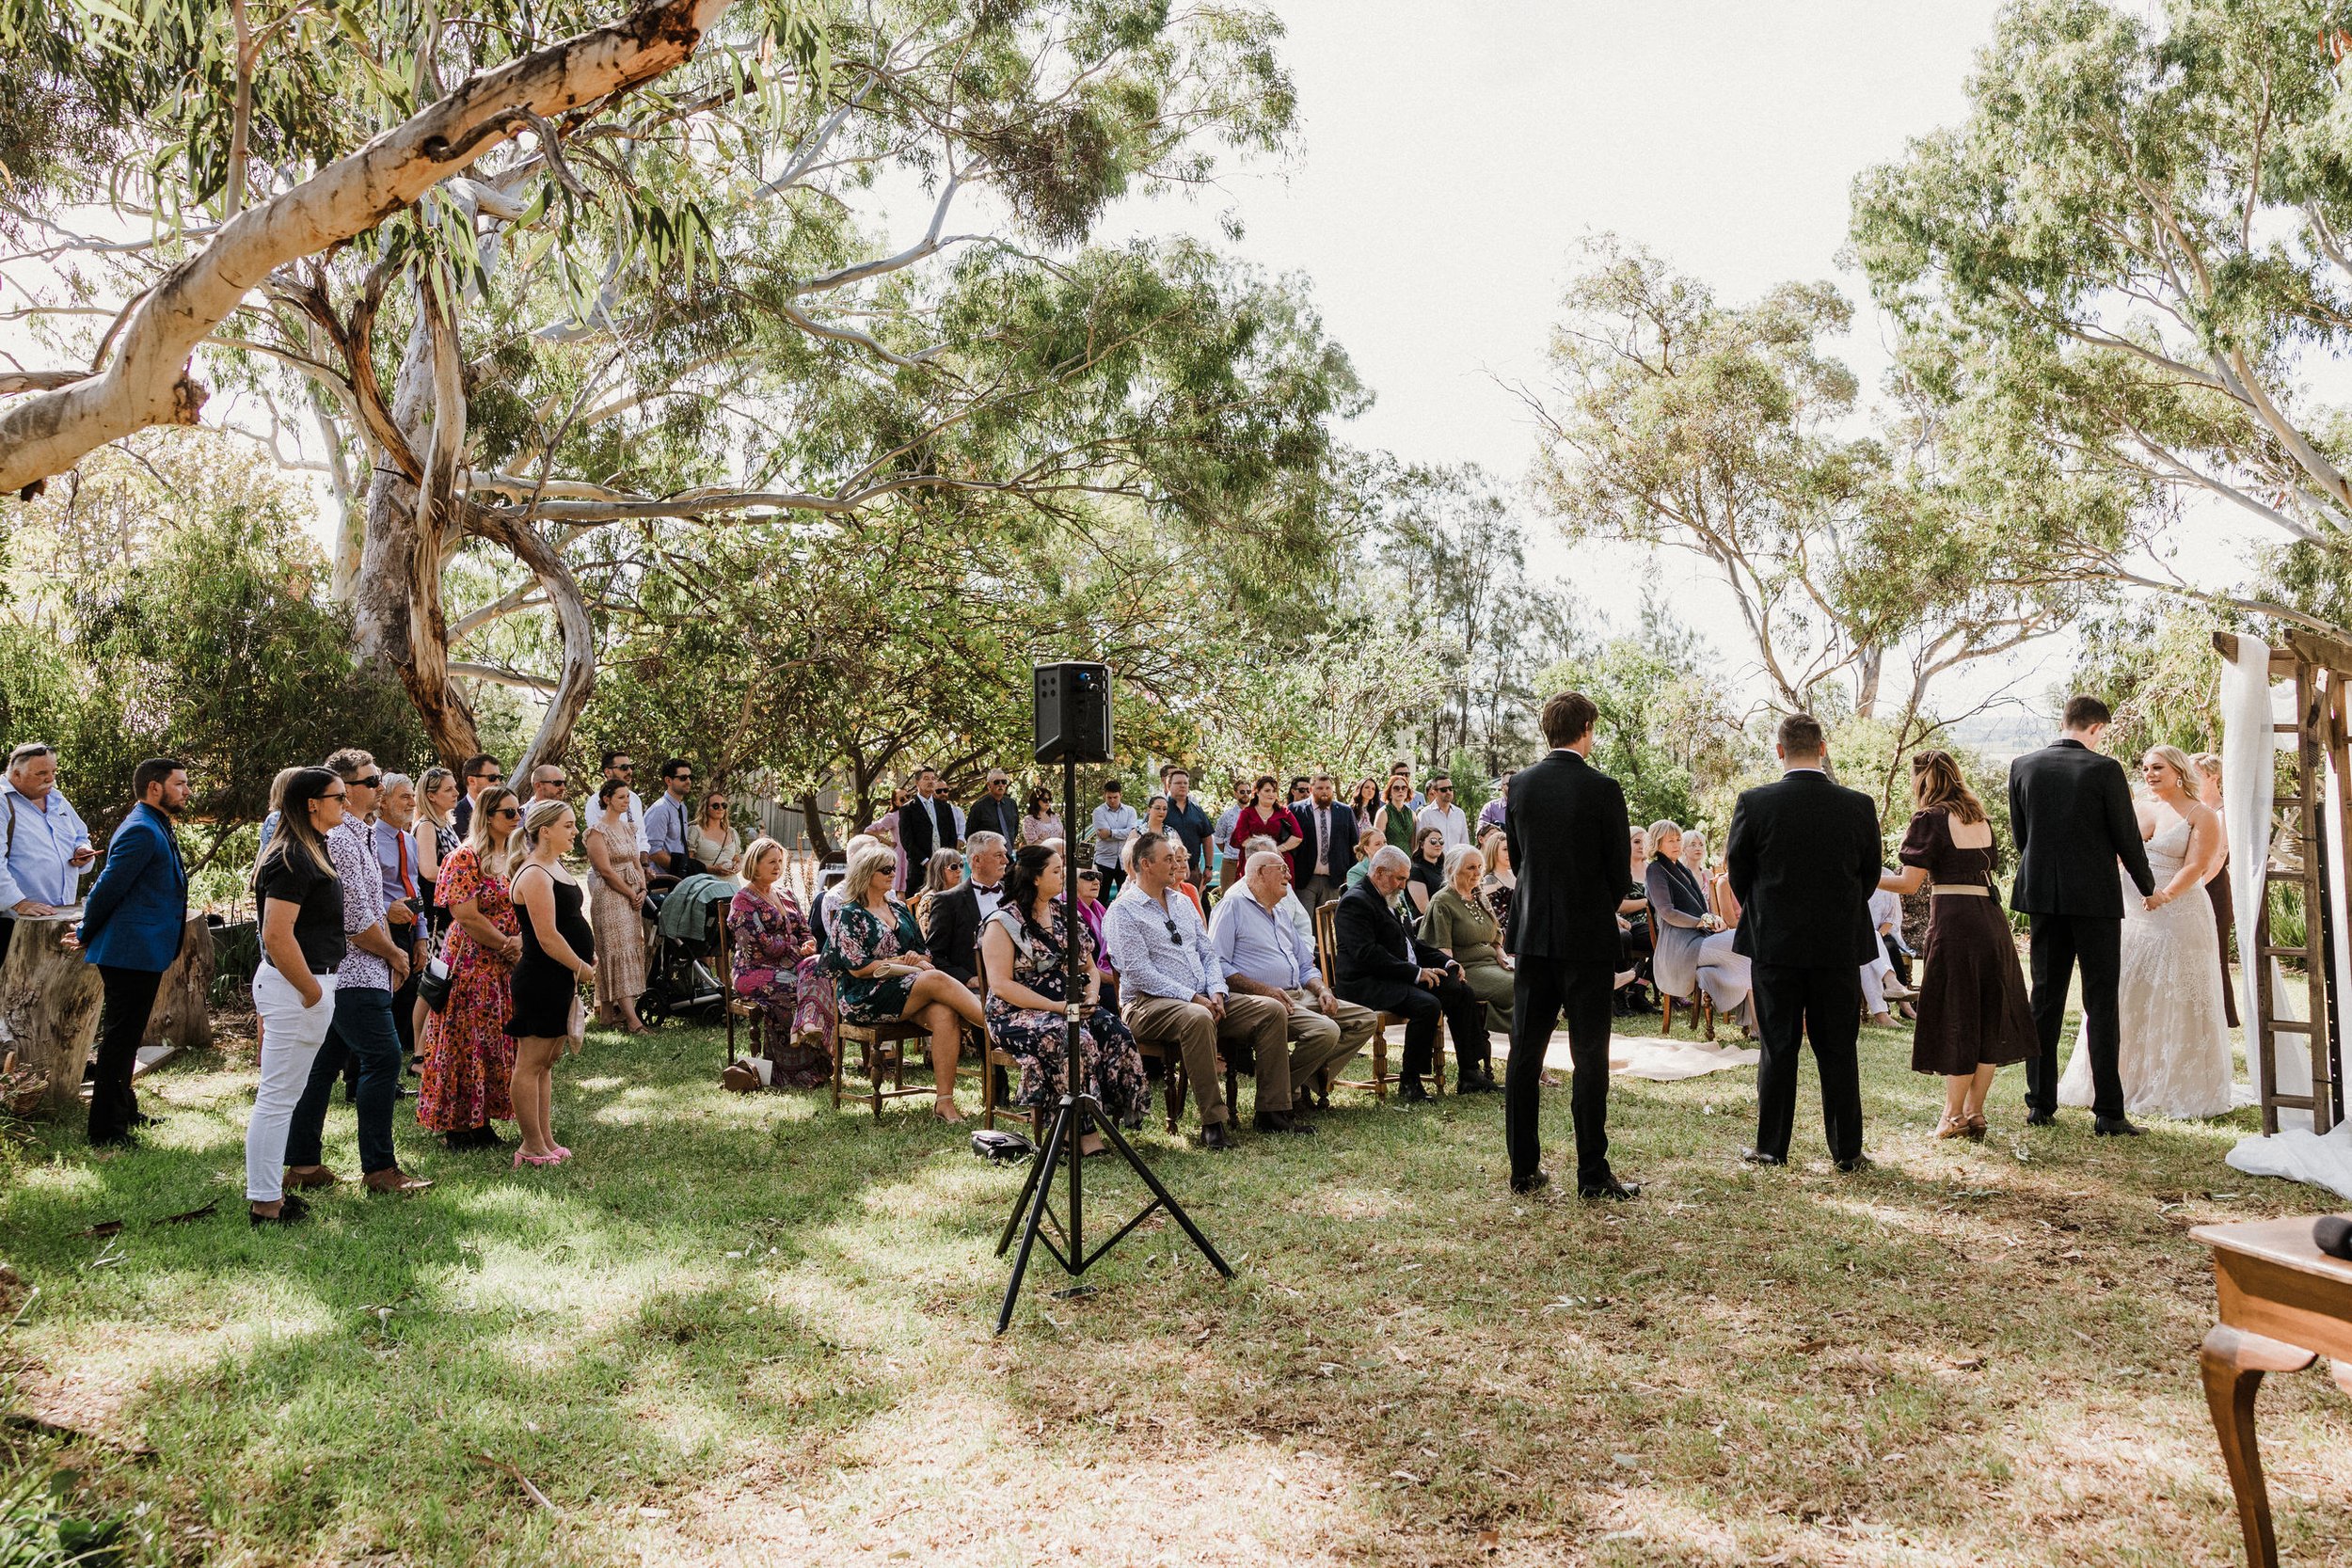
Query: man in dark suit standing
[
  {"x": 1803, "y": 857},
  {"x": 926, "y": 824},
  {"x": 1566, "y": 828},
  {"x": 994, "y": 812},
  {"x": 2072, "y": 812},
  {"x": 1384, "y": 967},
  {"x": 1327, "y": 845},
  {"x": 957, "y": 917}
]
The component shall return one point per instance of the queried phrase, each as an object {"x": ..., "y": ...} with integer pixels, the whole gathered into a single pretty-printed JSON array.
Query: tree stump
[
  {"x": 49, "y": 999},
  {"x": 183, "y": 1003}
]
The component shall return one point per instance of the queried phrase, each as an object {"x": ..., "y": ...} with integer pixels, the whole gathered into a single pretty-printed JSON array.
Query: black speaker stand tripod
[{"x": 1077, "y": 1110}]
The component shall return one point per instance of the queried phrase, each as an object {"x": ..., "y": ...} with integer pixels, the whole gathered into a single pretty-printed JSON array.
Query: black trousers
[
  {"x": 1792, "y": 1003},
  {"x": 1541, "y": 990},
  {"x": 1451, "y": 1003},
  {"x": 130, "y": 997},
  {"x": 2059, "y": 942}
]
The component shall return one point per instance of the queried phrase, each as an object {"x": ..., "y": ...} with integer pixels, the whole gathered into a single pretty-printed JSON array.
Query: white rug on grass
[{"x": 1661, "y": 1061}]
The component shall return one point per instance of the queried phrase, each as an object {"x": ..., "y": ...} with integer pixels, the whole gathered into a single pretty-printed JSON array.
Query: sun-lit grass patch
[{"x": 743, "y": 1329}]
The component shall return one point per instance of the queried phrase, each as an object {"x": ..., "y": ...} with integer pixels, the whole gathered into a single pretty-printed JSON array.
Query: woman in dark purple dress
[{"x": 1975, "y": 1014}]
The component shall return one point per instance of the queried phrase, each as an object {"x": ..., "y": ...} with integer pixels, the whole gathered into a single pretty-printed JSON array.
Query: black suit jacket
[
  {"x": 921, "y": 835},
  {"x": 955, "y": 933},
  {"x": 990, "y": 814},
  {"x": 1375, "y": 954},
  {"x": 1342, "y": 841},
  {"x": 1567, "y": 831},
  {"x": 1803, "y": 857},
  {"x": 2071, "y": 810}
]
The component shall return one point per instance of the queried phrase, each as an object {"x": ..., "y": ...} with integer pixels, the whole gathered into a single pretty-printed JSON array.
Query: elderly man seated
[
  {"x": 1381, "y": 966},
  {"x": 1171, "y": 992},
  {"x": 1262, "y": 955}
]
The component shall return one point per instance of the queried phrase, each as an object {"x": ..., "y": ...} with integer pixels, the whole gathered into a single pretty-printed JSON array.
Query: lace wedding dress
[{"x": 2173, "y": 1044}]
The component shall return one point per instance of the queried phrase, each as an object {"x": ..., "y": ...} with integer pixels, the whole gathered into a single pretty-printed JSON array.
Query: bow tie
[{"x": 987, "y": 887}]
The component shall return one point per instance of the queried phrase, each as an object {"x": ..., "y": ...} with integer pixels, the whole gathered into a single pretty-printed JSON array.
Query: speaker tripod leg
[
  {"x": 1029, "y": 1184},
  {"x": 1043, "y": 1177},
  {"x": 1109, "y": 1129}
]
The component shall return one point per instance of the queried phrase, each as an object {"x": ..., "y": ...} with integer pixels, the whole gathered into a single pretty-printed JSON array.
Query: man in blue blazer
[{"x": 132, "y": 925}]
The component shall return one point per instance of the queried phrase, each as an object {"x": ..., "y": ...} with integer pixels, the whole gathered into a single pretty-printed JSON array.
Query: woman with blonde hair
[
  {"x": 2172, "y": 1042},
  {"x": 1695, "y": 953},
  {"x": 559, "y": 957},
  {"x": 776, "y": 968},
  {"x": 464, "y": 1056},
  {"x": 883, "y": 970},
  {"x": 941, "y": 877},
  {"x": 1975, "y": 1015}
]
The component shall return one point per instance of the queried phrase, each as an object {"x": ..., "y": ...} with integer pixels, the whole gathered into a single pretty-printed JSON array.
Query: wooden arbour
[{"x": 2320, "y": 667}]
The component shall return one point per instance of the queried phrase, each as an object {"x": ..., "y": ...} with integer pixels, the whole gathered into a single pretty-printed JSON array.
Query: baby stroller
[{"x": 689, "y": 931}]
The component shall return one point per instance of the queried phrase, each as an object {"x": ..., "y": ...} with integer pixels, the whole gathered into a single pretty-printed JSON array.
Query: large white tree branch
[{"x": 146, "y": 383}]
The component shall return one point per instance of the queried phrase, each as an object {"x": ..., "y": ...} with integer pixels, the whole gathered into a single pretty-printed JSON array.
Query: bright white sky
[{"x": 1453, "y": 155}]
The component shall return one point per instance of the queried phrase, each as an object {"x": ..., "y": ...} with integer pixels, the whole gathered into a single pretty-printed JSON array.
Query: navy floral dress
[
  {"x": 1036, "y": 1039},
  {"x": 858, "y": 939}
]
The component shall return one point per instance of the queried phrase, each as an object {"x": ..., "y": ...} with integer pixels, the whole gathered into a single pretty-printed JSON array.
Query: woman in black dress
[
  {"x": 559, "y": 955},
  {"x": 1975, "y": 1015},
  {"x": 1428, "y": 870}
]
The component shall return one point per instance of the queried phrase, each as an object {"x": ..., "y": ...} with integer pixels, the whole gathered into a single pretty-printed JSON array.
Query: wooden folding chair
[
  {"x": 1698, "y": 1002},
  {"x": 1326, "y": 947}
]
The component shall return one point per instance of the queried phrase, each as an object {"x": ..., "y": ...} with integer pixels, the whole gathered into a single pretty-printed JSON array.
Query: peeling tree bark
[{"x": 147, "y": 382}]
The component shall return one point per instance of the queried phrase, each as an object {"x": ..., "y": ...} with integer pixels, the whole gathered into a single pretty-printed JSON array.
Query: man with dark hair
[
  {"x": 1804, "y": 858},
  {"x": 2071, "y": 810},
  {"x": 1442, "y": 814},
  {"x": 1298, "y": 790},
  {"x": 615, "y": 765},
  {"x": 1566, "y": 827},
  {"x": 668, "y": 820},
  {"x": 131, "y": 927},
  {"x": 1188, "y": 822},
  {"x": 927, "y": 824},
  {"x": 480, "y": 772}
]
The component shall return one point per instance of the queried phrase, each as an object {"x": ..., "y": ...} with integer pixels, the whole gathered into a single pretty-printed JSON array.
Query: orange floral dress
[{"x": 468, "y": 1059}]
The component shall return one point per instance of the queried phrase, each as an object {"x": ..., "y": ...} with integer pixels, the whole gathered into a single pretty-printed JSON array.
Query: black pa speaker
[{"x": 1073, "y": 713}]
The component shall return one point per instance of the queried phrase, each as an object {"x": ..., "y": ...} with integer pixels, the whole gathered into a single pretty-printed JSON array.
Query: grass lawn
[{"x": 746, "y": 1329}]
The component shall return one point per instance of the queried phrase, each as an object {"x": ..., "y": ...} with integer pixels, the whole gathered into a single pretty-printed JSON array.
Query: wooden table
[{"x": 2284, "y": 1304}]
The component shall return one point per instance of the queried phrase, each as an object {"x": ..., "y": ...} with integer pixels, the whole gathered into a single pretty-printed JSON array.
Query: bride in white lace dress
[{"x": 2173, "y": 1049}]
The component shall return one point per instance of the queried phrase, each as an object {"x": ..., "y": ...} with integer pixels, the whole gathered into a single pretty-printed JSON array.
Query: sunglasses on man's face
[
  {"x": 491, "y": 778},
  {"x": 374, "y": 780}
]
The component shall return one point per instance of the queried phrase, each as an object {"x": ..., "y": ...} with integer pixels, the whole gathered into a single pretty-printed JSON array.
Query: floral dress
[
  {"x": 618, "y": 922},
  {"x": 1114, "y": 1067},
  {"x": 468, "y": 1058},
  {"x": 792, "y": 990},
  {"x": 860, "y": 938}
]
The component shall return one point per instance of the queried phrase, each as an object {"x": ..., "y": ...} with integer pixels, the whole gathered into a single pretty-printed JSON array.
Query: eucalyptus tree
[
  {"x": 686, "y": 303},
  {"x": 1675, "y": 421},
  {"x": 2130, "y": 261}
]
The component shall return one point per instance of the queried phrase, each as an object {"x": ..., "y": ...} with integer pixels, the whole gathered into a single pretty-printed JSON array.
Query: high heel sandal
[
  {"x": 521, "y": 1159},
  {"x": 1952, "y": 1127},
  {"x": 1976, "y": 1128}
]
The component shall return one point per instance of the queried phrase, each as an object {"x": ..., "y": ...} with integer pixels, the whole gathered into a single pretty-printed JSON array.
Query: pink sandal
[{"x": 555, "y": 1159}]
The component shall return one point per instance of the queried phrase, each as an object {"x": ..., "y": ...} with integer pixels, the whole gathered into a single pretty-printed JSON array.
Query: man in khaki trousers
[
  {"x": 1262, "y": 954},
  {"x": 1171, "y": 992}
]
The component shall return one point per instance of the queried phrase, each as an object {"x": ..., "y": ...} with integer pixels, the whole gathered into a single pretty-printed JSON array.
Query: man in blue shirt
[
  {"x": 1262, "y": 954},
  {"x": 46, "y": 845},
  {"x": 666, "y": 821},
  {"x": 1190, "y": 823},
  {"x": 1171, "y": 992},
  {"x": 132, "y": 929}
]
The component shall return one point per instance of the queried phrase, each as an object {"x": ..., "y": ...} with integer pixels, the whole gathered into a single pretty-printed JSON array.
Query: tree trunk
[
  {"x": 813, "y": 821},
  {"x": 49, "y": 1000},
  {"x": 183, "y": 1003},
  {"x": 1868, "y": 663}
]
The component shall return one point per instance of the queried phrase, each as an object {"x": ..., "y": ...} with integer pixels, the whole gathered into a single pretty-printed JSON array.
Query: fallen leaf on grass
[
  {"x": 104, "y": 1228},
  {"x": 192, "y": 1214},
  {"x": 1808, "y": 1347},
  {"x": 520, "y": 1479}
]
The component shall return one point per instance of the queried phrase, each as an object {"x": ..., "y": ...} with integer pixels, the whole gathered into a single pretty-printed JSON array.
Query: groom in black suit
[
  {"x": 1566, "y": 827},
  {"x": 2072, "y": 812},
  {"x": 1803, "y": 857}
]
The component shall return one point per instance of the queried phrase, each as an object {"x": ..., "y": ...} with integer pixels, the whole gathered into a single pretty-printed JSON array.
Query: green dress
[
  {"x": 1398, "y": 820},
  {"x": 1465, "y": 928},
  {"x": 857, "y": 938}
]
